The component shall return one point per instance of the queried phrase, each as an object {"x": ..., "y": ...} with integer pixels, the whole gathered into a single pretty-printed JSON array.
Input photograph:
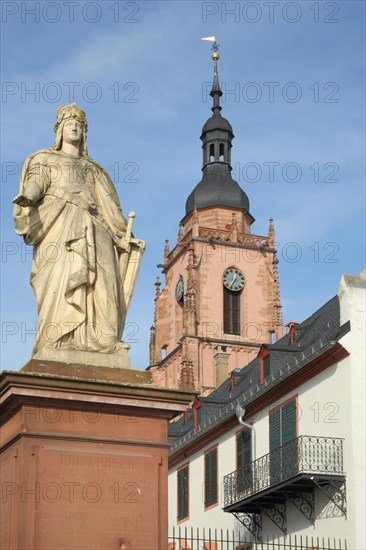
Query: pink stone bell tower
[{"x": 220, "y": 301}]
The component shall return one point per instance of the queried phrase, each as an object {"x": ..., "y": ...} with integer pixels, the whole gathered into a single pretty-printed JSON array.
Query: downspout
[{"x": 240, "y": 412}]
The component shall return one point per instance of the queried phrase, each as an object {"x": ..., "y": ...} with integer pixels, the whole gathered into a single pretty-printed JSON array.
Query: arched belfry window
[
  {"x": 222, "y": 152},
  {"x": 233, "y": 284},
  {"x": 212, "y": 151}
]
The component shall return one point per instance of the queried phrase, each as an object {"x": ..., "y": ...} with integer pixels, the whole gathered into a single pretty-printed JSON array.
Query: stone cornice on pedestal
[{"x": 96, "y": 388}]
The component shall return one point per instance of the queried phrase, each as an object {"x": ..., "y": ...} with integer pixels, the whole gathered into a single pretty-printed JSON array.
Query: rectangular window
[
  {"x": 198, "y": 416},
  {"x": 231, "y": 312},
  {"x": 183, "y": 492},
  {"x": 244, "y": 460},
  {"x": 283, "y": 442},
  {"x": 266, "y": 366},
  {"x": 211, "y": 492}
]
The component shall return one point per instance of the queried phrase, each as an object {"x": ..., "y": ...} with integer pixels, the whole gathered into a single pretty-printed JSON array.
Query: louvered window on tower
[
  {"x": 244, "y": 460},
  {"x": 211, "y": 492},
  {"x": 183, "y": 493},
  {"x": 231, "y": 311}
]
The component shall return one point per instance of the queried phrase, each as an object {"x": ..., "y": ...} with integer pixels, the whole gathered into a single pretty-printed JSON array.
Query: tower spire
[
  {"x": 217, "y": 186},
  {"x": 216, "y": 91}
]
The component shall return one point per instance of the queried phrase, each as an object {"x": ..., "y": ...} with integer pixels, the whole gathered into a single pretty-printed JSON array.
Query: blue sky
[{"x": 296, "y": 75}]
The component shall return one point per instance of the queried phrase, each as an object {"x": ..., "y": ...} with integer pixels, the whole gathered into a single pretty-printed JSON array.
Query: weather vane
[{"x": 215, "y": 45}]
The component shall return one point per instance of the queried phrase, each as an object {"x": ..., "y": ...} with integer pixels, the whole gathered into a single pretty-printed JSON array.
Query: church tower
[{"x": 220, "y": 301}]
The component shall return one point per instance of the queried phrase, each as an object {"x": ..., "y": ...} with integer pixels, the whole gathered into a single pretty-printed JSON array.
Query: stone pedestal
[
  {"x": 118, "y": 359},
  {"x": 84, "y": 458}
]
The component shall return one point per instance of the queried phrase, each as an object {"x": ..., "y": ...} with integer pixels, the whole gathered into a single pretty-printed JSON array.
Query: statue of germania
[{"x": 85, "y": 260}]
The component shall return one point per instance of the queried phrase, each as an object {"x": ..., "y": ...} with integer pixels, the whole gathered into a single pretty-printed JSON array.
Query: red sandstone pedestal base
[{"x": 84, "y": 458}]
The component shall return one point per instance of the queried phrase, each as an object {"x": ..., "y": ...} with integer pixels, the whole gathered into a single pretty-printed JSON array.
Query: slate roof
[
  {"x": 313, "y": 336},
  {"x": 217, "y": 188}
]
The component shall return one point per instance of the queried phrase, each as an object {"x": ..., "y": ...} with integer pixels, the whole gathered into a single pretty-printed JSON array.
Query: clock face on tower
[
  {"x": 179, "y": 289},
  {"x": 233, "y": 279}
]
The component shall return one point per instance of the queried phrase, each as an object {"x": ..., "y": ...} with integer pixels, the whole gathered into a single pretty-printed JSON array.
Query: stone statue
[{"x": 85, "y": 260}]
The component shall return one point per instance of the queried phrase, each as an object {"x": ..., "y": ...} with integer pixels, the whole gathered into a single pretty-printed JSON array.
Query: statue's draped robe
[{"x": 76, "y": 228}]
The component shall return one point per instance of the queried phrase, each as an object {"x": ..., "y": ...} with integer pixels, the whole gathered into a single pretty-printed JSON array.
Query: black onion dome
[
  {"x": 217, "y": 122},
  {"x": 217, "y": 188}
]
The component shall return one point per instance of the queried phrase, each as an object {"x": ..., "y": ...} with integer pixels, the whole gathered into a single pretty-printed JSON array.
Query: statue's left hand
[{"x": 124, "y": 245}]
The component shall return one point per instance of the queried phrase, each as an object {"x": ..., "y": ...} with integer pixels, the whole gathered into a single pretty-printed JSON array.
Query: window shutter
[
  {"x": 244, "y": 459},
  {"x": 183, "y": 480},
  {"x": 211, "y": 495},
  {"x": 282, "y": 425},
  {"x": 275, "y": 429},
  {"x": 282, "y": 430},
  {"x": 180, "y": 488},
  {"x": 289, "y": 451},
  {"x": 239, "y": 451},
  {"x": 244, "y": 448},
  {"x": 275, "y": 446},
  {"x": 288, "y": 422}
]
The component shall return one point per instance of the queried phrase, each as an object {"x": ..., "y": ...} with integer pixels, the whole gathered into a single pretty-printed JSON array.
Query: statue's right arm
[{"x": 35, "y": 183}]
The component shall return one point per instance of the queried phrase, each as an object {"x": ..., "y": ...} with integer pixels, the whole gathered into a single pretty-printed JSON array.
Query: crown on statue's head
[{"x": 71, "y": 110}]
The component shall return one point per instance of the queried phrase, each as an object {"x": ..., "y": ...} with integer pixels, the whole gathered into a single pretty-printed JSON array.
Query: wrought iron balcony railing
[{"x": 314, "y": 456}]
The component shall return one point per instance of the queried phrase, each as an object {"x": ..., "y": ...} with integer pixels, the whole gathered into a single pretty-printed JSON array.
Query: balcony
[{"x": 290, "y": 473}]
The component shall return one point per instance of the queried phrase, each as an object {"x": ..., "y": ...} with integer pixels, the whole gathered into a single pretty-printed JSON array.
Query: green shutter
[
  {"x": 239, "y": 451},
  {"x": 288, "y": 422},
  {"x": 282, "y": 430},
  {"x": 244, "y": 448},
  {"x": 275, "y": 429},
  {"x": 289, "y": 449},
  {"x": 244, "y": 459},
  {"x": 282, "y": 425},
  {"x": 183, "y": 481},
  {"x": 211, "y": 494}
]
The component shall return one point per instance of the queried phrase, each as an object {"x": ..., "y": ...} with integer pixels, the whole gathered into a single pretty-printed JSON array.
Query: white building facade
[{"x": 296, "y": 468}]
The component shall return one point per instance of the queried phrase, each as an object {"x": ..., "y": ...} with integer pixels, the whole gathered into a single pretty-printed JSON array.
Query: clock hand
[{"x": 233, "y": 281}]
